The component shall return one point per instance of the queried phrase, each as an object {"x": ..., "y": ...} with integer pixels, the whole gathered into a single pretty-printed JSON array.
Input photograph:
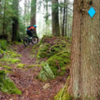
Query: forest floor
[{"x": 26, "y": 81}]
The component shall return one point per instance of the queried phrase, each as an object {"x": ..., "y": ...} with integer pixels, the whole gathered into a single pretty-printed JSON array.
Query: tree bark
[
  {"x": 33, "y": 12},
  {"x": 3, "y": 25},
  {"x": 55, "y": 18},
  {"x": 63, "y": 25},
  {"x": 15, "y": 25},
  {"x": 85, "y": 54}
]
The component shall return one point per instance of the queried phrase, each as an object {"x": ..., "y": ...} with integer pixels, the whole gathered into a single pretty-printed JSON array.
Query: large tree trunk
[
  {"x": 55, "y": 18},
  {"x": 85, "y": 54}
]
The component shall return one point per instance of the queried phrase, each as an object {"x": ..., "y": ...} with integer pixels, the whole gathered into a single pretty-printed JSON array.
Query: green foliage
[
  {"x": 6, "y": 16},
  {"x": 1, "y": 51},
  {"x": 10, "y": 57},
  {"x": 3, "y": 44},
  {"x": 7, "y": 85}
]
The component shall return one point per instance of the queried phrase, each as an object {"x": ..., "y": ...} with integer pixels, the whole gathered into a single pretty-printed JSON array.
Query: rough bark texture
[
  {"x": 55, "y": 18},
  {"x": 85, "y": 54}
]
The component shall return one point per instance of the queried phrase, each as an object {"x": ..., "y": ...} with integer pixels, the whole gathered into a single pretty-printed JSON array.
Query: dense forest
[
  {"x": 49, "y": 16},
  {"x": 49, "y": 49}
]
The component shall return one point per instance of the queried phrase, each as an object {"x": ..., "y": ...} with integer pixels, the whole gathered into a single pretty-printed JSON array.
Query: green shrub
[{"x": 3, "y": 44}]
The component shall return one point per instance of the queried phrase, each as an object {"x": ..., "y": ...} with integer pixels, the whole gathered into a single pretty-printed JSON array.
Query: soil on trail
[{"x": 25, "y": 79}]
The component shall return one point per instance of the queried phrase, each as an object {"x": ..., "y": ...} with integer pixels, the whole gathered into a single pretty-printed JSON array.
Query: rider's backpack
[{"x": 28, "y": 27}]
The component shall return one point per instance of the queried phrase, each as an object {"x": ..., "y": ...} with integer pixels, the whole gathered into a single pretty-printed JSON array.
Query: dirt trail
[
  {"x": 25, "y": 80},
  {"x": 26, "y": 54}
]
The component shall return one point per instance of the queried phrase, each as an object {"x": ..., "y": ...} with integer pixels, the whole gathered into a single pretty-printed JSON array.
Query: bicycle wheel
[
  {"x": 26, "y": 41},
  {"x": 35, "y": 40}
]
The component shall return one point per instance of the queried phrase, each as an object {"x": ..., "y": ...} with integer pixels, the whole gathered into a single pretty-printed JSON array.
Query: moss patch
[
  {"x": 12, "y": 54},
  {"x": 63, "y": 95},
  {"x": 7, "y": 67},
  {"x": 10, "y": 57},
  {"x": 20, "y": 65},
  {"x": 1, "y": 51},
  {"x": 42, "y": 53},
  {"x": 56, "y": 51},
  {"x": 59, "y": 62},
  {"x": 52, "y": 45},
  {"x": 7, "y": 85},
  {"x": 30, "y": 66},
  {"x": 46, "y": 73},
  {"x": 15, "y": 60},
  {"x": 3, "y": 44},
  {"x": 7, "y": 71}
]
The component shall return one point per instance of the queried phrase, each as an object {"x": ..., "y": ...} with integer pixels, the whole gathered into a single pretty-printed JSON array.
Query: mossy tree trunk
[{"x": 85, "y": 54}]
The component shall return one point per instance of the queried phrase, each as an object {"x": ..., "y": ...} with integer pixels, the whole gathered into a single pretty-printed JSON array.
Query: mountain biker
[{"x": 31, "y": 30}]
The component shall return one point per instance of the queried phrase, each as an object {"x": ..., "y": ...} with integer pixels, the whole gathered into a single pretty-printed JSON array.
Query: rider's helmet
[{"x": 35, "y": 26}]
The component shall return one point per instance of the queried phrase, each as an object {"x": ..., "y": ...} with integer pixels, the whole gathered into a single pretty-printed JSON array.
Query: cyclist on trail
[{"x": 31, "y": 30}]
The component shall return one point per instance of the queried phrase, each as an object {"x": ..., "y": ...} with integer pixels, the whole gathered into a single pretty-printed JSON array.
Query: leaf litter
[{"x": 26, "y": 81}]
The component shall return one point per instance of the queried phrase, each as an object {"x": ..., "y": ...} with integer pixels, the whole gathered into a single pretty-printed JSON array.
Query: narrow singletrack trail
[
  {"x": 26, "y": 79},
  {"x": 26, "y": 54}
]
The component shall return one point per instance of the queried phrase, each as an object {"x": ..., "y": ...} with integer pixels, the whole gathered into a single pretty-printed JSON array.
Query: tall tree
[
  {"x": 47, "y": 13},
  {"x": 15, "y": 25},
  {"x": 66, "y": 21},
  {"x": 33, "y": 12},
  {"x": 4, "y": 10},
  {"x": 85, "y": 54},
  {"x": 63, "y": 25},
  {"x": 55, "y": 18}
]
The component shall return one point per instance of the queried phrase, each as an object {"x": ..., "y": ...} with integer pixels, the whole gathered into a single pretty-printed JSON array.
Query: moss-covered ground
[
  {"x": 49, "y": 59},
  {"x": 56, "y": 51}
]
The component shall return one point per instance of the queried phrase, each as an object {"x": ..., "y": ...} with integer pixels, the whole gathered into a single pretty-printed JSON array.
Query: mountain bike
[{"x": 34, "y": 40}]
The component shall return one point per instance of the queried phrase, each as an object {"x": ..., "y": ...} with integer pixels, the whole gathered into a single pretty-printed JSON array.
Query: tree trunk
[
  {"x": 66, "y": 22},
  {"x": 55, "y": 18},
  {"x": 85, "y": 54},
  {"x": 63, "y": 22},
  {"x": 33, "y": 12},
  {"x": 3, "y": 25},
  {"x": 15, "y": 25}
]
